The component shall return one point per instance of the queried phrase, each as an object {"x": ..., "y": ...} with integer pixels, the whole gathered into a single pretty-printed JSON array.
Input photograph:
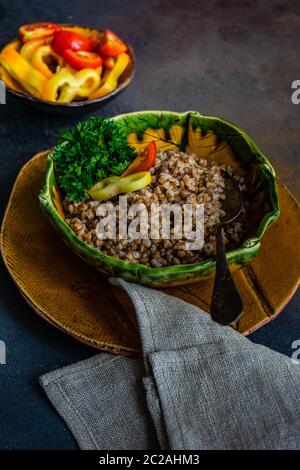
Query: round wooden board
[{"x": 69, "y": 294}]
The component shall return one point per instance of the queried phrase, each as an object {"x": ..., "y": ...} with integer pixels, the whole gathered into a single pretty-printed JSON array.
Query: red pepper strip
[
  {"x": 82, "y": 59},
  {"x": 144, "y": 161},
  {"x": 111, "y": 45},
  {"x": 70, "y": 40}
]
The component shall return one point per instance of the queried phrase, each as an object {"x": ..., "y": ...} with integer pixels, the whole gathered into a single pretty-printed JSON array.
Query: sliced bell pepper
[
  {"x": 41, "y": 58},
  {"x": 69, "y": 68},
  {"x": 70, "y": 40},
  {"x": 144, "y": 161},
  {"x": 35, "y": 83},
  {"x": 29, "y": 48},
  {"x": 37, "y": 30},
  {"x": 95, "y": 40},
  {"x": 111, "y": 80},
  {"x": 82, "y": 59},
  {"x": 83, "y": 31},
  {"x": 106, "y": 72},
  {"x": 71, "y": 85},
  {"x": 114, "y": 185},
  {"x": 111, "y": 45},
  {"x": 9, "y": 81},
  {"x": 12, "y": 45},
  {"x": 59, "y": 79},
  {"x": 99, "y": 70},
  {"x": 87, "y": 80},
  {"x": 21, "y": 70},
  {"x": 14, "y": 64},
  {"x": 108, "y": 62}
]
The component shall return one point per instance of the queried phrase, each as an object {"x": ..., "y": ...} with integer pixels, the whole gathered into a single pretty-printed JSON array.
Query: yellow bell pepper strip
[
  {"x": 9, "y": 81},
  {"x": 114, "y": 185},
  {"x": 71, "y": 85},
  {"x": 39, "y": 63},
  {"x": 29, "y": 48},
  {"x": 87, "y": 32},
  {"x": 14, "y": 64},
  {"x": 35, "y": 83},
  {"x": 104, "y": 77},
  {"x": 64, "y": 86},
  {"x": 106, "y": 181},
  {"x": 21, "y": 70},
  {"x": 12, "y": 45},
  {"x": 87, "y": 81},
  {"x": 59, "y": 79},
  {"x": 111, "y": 81},
  {"x": 99, "y": 70},
  {"x": 68, "y": 68}
]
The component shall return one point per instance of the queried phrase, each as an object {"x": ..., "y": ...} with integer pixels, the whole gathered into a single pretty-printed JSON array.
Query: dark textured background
[{"x": 236, "y": 59}]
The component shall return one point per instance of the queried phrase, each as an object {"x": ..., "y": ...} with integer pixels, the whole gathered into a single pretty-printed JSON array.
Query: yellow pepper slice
[
  {"x": 69, "y": 68},
  {"x": 111, "y": 81},
  {"x": 20, "y": 69},
  {"x": 12, "y": 45},
  {"x": 35, "y": 83},
  {"x": 29, "y": 48},
  {"x": 9, "y": 81},
  {"x": 14, "y": 64},
  {"x": 87, "y": 81},
  {"x": 86, "y": 32},
  {"x": 105, "y": 182},
  {"x": 114, "y": 185},
  {"x": 99, "y": 70},
  {"x": 71, "y": 85},
  {"x": 59, "y": 79},
  {"x": 38, "y": 60}
]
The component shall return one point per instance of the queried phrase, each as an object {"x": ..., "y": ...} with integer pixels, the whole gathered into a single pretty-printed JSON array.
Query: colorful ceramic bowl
[
  {"x": 209, "y": 137},
  {"x": 16, "y": 93}
]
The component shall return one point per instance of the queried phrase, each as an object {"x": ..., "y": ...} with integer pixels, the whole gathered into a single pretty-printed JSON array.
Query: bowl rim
[
  {"x": 78, "y": 104},
  {"x": 248, "y": 246}
]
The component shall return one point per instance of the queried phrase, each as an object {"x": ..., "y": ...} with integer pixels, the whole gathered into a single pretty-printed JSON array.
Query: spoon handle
[{"x": 226, "y": 304}]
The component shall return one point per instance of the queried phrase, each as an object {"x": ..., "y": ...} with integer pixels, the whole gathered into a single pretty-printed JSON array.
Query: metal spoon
[{"x": 226, "y": 304}]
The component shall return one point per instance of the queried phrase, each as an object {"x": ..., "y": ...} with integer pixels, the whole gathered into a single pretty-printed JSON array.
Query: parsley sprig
[{"x": 94, "y": 149}]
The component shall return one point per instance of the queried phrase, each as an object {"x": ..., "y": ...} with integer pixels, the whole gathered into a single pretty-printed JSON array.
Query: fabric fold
[
  {"x": 201, "y": 386},
  {"x": 166, "y": 322},
  {"x": 217, "y": 389},
  {"x": 101, "y": 399}
]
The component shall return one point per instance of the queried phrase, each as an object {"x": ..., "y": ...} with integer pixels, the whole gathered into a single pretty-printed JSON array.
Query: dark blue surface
[{"x": 233, "y": 58}]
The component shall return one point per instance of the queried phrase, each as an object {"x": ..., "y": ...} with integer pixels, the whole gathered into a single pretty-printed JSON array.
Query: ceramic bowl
[
  {"x": 209, "y": 137},
  {"x": 17, "y": 94}
]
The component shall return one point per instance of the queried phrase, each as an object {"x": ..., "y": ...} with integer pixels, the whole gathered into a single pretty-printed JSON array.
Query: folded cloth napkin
[{"x": 200, "y": 386}]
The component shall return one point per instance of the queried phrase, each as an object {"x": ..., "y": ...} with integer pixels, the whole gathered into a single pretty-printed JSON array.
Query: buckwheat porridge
[{"x": 177, "y": 178}]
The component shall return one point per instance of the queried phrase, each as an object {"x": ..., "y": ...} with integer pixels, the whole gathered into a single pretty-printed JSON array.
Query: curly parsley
[{"x": 94, "y": 149}]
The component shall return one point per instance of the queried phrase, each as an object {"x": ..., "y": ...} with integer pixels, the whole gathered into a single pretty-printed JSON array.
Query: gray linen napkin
[{"x": 203, "y": 386}]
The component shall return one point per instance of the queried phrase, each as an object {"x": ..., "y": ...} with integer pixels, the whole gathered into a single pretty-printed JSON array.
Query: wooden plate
[{"x": 78, "y": 300}]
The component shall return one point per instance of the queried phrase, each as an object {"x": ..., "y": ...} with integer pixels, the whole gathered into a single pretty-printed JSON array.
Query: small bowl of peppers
[{"x": 62, "y": 68}]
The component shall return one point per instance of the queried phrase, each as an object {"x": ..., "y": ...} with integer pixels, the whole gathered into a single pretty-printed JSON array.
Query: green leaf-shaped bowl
[{"x": 209, "y": 137}]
